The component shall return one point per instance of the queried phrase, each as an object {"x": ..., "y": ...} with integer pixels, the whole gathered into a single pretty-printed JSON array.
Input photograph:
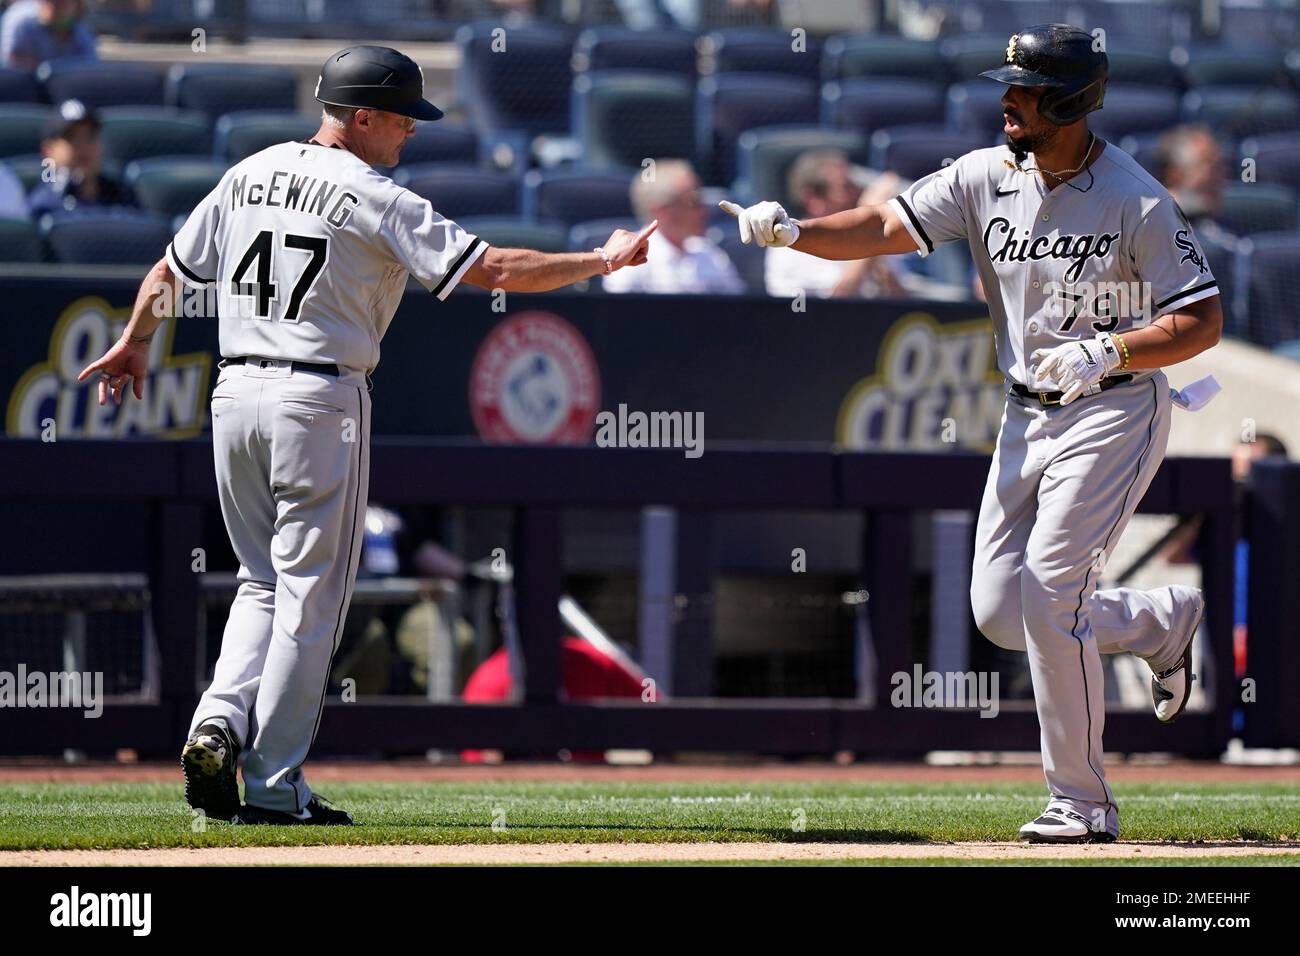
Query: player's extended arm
[
  {"x": 852, "y": 234},
  {"x": 1177, "y": 336},
  {"x": 527, "y": 270},
  {"x": 128, "y": 359}
]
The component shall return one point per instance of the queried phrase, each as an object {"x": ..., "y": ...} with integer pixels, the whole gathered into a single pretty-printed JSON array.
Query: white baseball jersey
[
  {"x": 310, "y": 248},
  {"x": 1057, "y": 265}
]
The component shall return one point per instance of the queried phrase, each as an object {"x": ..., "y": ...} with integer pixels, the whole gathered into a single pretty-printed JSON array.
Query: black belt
[
  {"x": 1054, "y": 398},
  {"x": 325, "y": 368}
]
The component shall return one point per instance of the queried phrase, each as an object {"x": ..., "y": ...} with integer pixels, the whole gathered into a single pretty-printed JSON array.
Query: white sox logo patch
[
  {"x": 1078, "y": 248},
  {"x": 1183, "y": 240}
]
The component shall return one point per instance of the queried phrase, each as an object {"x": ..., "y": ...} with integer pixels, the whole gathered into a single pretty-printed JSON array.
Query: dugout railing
[{"x": 537, "y": 484}]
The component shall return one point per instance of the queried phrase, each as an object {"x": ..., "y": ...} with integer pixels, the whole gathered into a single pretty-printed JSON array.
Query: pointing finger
[
  {"x": 647, "y": 232},
  {"x": 730, "y": 208}
]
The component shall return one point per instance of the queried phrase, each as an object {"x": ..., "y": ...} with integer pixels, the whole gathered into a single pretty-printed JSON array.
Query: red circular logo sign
[{"x": 534, "y": 381}]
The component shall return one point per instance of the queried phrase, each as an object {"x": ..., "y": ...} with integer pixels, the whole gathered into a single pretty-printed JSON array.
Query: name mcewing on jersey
[{"x": 295, "y": 191}]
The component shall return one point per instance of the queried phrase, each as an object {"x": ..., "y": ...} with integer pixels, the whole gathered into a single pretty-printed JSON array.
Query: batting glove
[
  {"x": 765, "y": 223},
  {"x": 1075, "y": 367}
]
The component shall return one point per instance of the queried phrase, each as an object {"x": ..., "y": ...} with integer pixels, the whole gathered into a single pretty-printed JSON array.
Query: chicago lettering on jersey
[
  {"x": 1079, "y": 248},
  {"x": 298, "y": 192}
]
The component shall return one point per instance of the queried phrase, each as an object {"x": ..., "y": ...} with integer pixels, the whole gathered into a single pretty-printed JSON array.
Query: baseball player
[
  {"x": 1070, "y": 237},
  {"x": 310, "y": 248}
]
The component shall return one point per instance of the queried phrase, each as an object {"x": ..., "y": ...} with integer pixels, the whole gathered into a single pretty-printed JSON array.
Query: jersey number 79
[{"x": 263, "y": 289}]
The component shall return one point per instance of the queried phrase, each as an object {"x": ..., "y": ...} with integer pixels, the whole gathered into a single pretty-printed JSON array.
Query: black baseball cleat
[
  {"x": 209, "y": 760},
  {"x": 318, "y": 812},
  {"x": 1171, "y": 688}
]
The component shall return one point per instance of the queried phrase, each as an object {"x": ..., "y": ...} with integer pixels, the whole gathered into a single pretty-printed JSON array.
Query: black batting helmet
[
  {"x": 1064, "y": 59},
  {"x": 375, "y": 78}
]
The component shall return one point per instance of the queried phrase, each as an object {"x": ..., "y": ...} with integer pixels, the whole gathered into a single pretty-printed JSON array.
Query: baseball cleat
[
  {"x": 208, "y": 760},
  {"x": 1171, "y": 688},
  {"x": 318, "y": 812},
  {"x": 1061, "y": 825}
]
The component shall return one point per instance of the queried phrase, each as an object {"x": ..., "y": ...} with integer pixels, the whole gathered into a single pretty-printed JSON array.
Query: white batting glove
[
  {"x": 1075, "y": 367},
  {"x": 765, "y": 223}
]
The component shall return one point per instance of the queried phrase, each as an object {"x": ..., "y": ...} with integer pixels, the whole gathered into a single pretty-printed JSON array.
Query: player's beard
[{"x": 1032, "y": 142}]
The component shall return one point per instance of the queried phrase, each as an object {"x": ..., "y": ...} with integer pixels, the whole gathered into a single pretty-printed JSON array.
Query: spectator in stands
[
  {"x": 71, "y": 142},
  {"x": 682, "y": 259},
  {"x": 1190, "y": 164},
  {"x": 819, "y": 184},
  {"x": 33, "y": 31},
  {"x": 13, "y": 198}
]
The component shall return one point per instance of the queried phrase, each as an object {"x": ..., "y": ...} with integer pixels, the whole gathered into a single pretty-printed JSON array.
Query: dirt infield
[
  {"x": 421, "y": 771},
  {"x": 551, "y": 853}
]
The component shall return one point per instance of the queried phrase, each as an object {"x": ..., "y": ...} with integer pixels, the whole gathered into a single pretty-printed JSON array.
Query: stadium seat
[
  {"x": 1150, "y": 68},
  {"x": 1154, "y": 24},
  {"x": 588, "y": 235},
  {"x": 1130, "y": 108},
  {"x": 445, "y": 141},
  {"x": 1253, "y": 24},
  {"x": 968, "y": 55},
  {"x": 1258, "y": 207},
  {"x": 975, "y": 106},
  {"x": 749, "y": 260},
  {"x": 623, "y": 117},
  {"x": 19, "y": 86},
  {"x": 869, "y": 103},
  {"x": 108, "y": 238},
  {"x": 173, "y": 186},
  {"x": 218, "y": 88},
  {"x": 240, "y": 135},
  {"x": 515, "y": 80},
  {"x": 19, "y": 241},
  {"x": 872, "y": 54},
  {"x": 1270, "y": 273},
  {"x": 1142, "y": 147},
  {"x": 460, "y": 191},
  {"x": 758, "y": 50},
  {"x": 764, "y": 157},
  {"x": 26, "y": 168},
  {"x": 515, "y": 232},
  {"x": 620, "y": 48},
  {"x": 731, "y": 103},
  {"x": 1228, "y": 66},
  {"x": 573, "y": 196},
  {"x": 100, "y": 83},
  {"x": 1221, "y": 255},
  {"x": 1235, "y": 112},
  {"x": 1276, "y": 156},
  {"x": 138, "y": 132},
  {"x": 20, "y": 128},
  {"x": 916, "y": 151}
]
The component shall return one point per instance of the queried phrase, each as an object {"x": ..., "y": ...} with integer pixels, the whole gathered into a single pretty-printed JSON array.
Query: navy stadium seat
[
  {"x": 1258, "y": 207},
  {"x": 623, "y": 117},
  {"x": 100, "y": 83},
  {"x": 1142, "y": 147},
  {"x": 522, "y": 86},
  {"x": 138, "y": 132},
  {"x": 621, "y": 48},
  {"x": 975, "y": 106},
  {"x": 171, "y": 186},
  {"x": 19, "y": 86},
  {"x": 1130, "y": 108},
  {"x": 445, "y": 141},
  {"x": 749, "y": 260},
  {"x": 459, "y": 191},
  {"x": 573, "y": 196},
  {"x": 1254, "y": 24},
  {"x": 240, "y": 135},
  {"x": 759, "y": 50},
  {"x": 217, "y": 88},
  {"x": 109, "y": 238},
  {"x": 871, "y": 54},
  {"x": 1276, "y": 156},
  {"x": 27, "y": 168},
  {"x": 1270, "y": 271},
  {"x": 764, "y": 157},
  {"x": 1234, "y": 112},
  {"x": 518, "y": 233},
  {"x": 19, "y": 241},
  {"x": 20, "y": 128},
  {"x": 869, "y": 103},
  {"x": 588, "y": 235},
  {"x": 1228, "y": 66},
  {"x": 968, "y": 55},
  {"x": 731, "y": 103},
  {"x": 1148, "y": 67},
  {"x": 916, "y": 151}
]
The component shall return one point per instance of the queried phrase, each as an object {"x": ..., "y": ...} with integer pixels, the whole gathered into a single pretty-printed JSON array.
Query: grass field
[{"x": 41, "y": 816}]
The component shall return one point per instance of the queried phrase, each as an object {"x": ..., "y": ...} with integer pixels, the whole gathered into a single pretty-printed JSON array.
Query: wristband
[
  {"x": 600, "y": 251},
  {"x": 1123, "y": 350}
]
